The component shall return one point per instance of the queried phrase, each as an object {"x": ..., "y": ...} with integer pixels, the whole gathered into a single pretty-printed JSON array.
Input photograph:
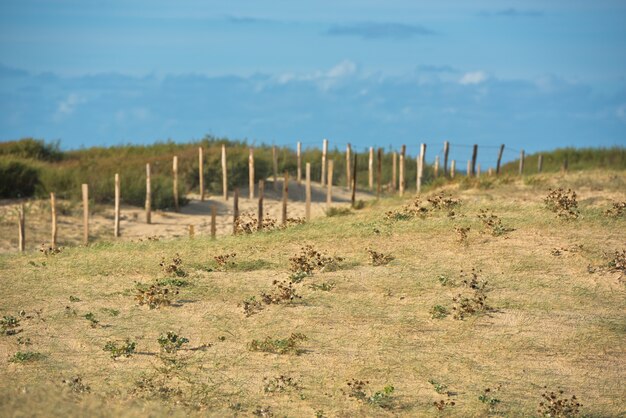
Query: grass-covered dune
[
  {"x": 35, "y": 168},
  {"x": 524, "y": 302}
]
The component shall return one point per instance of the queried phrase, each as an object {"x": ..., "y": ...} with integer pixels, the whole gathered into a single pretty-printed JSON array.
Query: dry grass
[{"x": 552, "y": 324}]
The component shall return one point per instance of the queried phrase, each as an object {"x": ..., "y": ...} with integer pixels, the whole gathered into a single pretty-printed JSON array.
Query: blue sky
[{"x": 533, "y": 75}]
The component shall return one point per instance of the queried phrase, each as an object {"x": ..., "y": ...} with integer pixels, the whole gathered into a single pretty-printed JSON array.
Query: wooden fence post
[
  {"x": 446, "y": 151},
  {"x": 324, "y": 151},
  {"x": 452, "y": 167},
  {"x": 213, "y": 221},
  {"x": 299, "y": 162},
  {"x": 285, "y": 196},
  {"x": 116, "y": 224},
  {"x": 353, "y": 199},
  {"x": 224, "y": 173},
  {"x": 307, "y": 209},
  {"x": 436, "y": 167},
  {"x": 175, "y": 186},
  {"x": 474, "y": 156},
  {"x": 21, "y": 237},
  {"x": 235, "y": 210},
  {"x": 499, "y": 159},
  {"x": 490, "y": 171},
  {"x": 85, "y": 190},
  {"x": 251, "y": 173},
  {"x": 275, "y": 167},
  {"x": 148, "y": 196},
  {"x": 379, "y": 172},
  {"x": 371, "y": 169},
  {"x": 329, "y": 190},
  {"x": 420, "y": 165},
  {"x": 469, "y": 168},
  {"x": 521, "y": 162},
  {"x": 540, "y": 163},
  {"x": 260, "y": 214},
  {"x": 201, "y": 172},
  {"x": 402, "y": 162},
  {"x": 394, "y": 170},
  {"x": 348, "y": 171},
  {"x": 53, "y": 209}
]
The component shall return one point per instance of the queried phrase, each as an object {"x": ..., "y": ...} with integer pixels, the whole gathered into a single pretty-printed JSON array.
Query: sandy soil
[{"x": 164, "y": 223}]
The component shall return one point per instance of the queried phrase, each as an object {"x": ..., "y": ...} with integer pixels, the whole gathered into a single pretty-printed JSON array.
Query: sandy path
[{"x": 164, "y": 223}]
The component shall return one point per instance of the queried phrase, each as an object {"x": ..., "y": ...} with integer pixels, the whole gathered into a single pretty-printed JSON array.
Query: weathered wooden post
[
  {"x": 251, "y": 174},
  {"x": 348, "y": 171},
  {"x": 307, "y": 209},
  {"x": 499, "y": 159},
  {"x": 85, "y": 190},
  {"x": 275, "y": 167},
  {"x": 446, "y": 151},
  {"x": 329, "y": 191},
  {"x": 402, "y": 162},
  {"x": 235, "y": 210},
  {"x": 260, "y": 214},
  {"x": 324, "y": 151},
  {"x": 521, "y": 162},
  {"x": 490, "y": 171},
  {"x": 452, "y": 167},
  {"x": 469, "y": 168},
  {"x": 540, "y": 163},
  {"x": 53, "y": 209},
  {"x": 420, "y": 167},
  {"x": 201, "y": 172},
  {"x": 148, "y": 196},
  {"x": 213, "y": 221},
  {"x": 285, "y": 196},
  {"x": 299, "y": 158},
  {"x": 116, "y": 225},
  {"x": 353, "y": 199},
  {"x": 379, "y": 173},
  {"x": 175, "y": 185},
  {"x": 21, "y": 237},
  {"x": 224, "y": 173},
  {"x": 436, "y": 166},
  {"x": 474, "y": 156},
  {"x": 371, "y": 169},
  {"x": 394, "y": 169}
]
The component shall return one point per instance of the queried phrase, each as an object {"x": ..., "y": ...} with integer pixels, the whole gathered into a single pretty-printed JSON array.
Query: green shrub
[{"x": 19, "y": 178}]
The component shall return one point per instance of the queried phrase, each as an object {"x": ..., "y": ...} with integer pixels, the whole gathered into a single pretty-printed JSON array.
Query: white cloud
[
  {"x": 68, "y": 106},
  {"x": 343, "y": 69},
  {"x": 474, "y": 77},
  {"x": 324, "y": 79}
]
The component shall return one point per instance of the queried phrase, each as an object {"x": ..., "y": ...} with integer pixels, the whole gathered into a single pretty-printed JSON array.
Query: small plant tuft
[
  {"x": 379, "y": 259},
  {"x": 554, "y": 404},
  {"x": 76, "y": 385},
  {"x": 26, "y": 357},
  {"x": 288, "y": 345},
  {"x": 562, "y": 202},
  {"x": 173, "y": 267},
  {"x": 120, "y": 349},
  {"x": 9, "y": 325},
  {"x": 438, "y": 312},
  {"x": 171, "y": 342},
  {"x": 155, "y": 295},
  {"x": 359, "y": 390}
]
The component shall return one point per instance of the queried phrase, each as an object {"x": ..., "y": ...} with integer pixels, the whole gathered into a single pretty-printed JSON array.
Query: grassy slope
[{"x": 554, "y": 323}]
